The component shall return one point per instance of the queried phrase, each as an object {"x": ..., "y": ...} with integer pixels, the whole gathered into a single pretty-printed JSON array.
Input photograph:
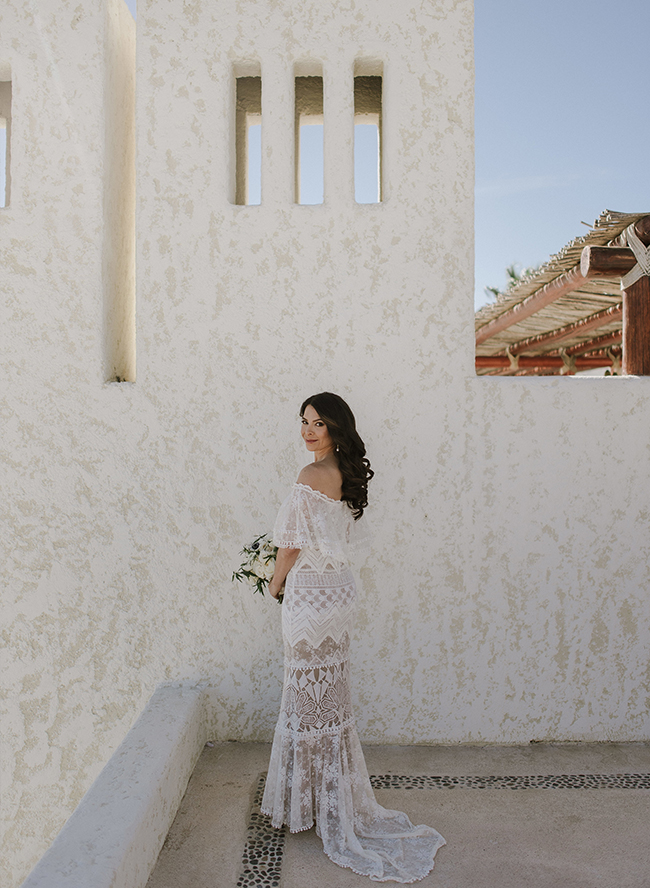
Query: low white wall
[{"x": 114, "y": 836}]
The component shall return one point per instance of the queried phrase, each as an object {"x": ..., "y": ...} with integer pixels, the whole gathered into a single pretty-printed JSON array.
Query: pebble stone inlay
[
  {"x": 536, "y": 781},
  {"x": 262, "y": 857}
]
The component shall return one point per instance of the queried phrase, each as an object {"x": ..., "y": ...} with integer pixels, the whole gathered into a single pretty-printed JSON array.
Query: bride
[{"x": 317, "y": 773}]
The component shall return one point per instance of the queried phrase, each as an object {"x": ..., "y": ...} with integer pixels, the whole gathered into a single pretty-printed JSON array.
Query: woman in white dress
[{"x": 317, "y": 773}]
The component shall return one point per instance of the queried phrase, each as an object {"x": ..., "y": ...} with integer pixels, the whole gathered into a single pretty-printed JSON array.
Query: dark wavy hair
[{"x": 349, "y": 449}]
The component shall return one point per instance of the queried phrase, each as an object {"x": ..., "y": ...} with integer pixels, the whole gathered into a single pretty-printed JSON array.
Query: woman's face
[{"x": 315, "y": 433}]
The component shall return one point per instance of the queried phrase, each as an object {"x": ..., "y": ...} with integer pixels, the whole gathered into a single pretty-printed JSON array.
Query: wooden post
[
  {"x": 615, "y": 261},
  {"x": 636, "y": 329},
  {"x": 636, "y": 317}
]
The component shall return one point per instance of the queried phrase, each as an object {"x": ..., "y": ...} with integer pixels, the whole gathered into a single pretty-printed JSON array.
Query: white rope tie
[
  {"x": 514, "y": 359},
  {"x": 642, "y": 255},
  {"x": 616, "y": 362},
  {"x": 568, "y": 363}
]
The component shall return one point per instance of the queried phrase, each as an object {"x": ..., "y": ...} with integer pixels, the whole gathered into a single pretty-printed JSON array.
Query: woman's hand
[{"x": 285, "y": 560}]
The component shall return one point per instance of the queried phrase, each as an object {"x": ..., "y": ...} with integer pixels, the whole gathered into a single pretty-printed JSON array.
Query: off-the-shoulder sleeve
[
  {"x": 309, "y": 519},
  {"x": 294, "y": 527}
]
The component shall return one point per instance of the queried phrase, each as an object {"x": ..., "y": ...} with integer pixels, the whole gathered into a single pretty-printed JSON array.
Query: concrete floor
[{"x": 497, "y": 837}]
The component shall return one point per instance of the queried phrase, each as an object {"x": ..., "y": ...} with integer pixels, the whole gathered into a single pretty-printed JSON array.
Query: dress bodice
[{"x": 308, "y": 519}]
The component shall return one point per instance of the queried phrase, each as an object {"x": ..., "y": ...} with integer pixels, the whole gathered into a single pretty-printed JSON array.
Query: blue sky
[{"x": 562, "y": 124}]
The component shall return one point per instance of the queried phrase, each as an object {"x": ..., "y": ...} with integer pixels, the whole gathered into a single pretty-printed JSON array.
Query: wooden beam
[
  {"x": 606, "y": 261},
  {"x": 616, "y": 259},
  {"x": 529, "y": 371},
  {"x": 606, "y": 341},
  {"x": 606, "y": 316},
  {"x": 642, "y": 228},
  {"x": 605, "y": 353},
  {"x": 543, "y": 362},
  {"x": 565, "y": 283}
]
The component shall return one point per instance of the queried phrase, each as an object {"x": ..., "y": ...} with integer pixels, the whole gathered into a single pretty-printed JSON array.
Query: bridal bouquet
[{"x": 258, "y": 564}]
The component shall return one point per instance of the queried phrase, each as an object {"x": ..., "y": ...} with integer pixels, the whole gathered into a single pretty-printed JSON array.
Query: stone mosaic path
[{"x": 544, "y": 816}]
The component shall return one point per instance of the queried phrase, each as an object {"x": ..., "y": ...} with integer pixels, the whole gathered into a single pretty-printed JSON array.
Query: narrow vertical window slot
[
  {"x": 5, "y": 143},
  {"x": 248, "y": 140},
  {"x": 118, "y": 248},
  {"x": 3, "y": 162},
  {"x": 367, "y": 137},
  {"x": 308, "y": 122}
]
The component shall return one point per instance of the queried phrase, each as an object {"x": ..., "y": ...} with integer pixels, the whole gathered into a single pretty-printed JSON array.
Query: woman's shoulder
[{"x": 325, "y": 479}]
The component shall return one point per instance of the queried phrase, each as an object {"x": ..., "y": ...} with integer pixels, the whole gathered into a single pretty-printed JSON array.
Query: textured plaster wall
[
  {"x": 69, "y": 596},
  {"x": 506, "y": 596}
]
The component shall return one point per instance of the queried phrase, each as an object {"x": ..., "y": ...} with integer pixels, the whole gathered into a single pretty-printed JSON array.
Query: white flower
[
  {"x": 260, "y": 569},
  {"x": 259, "y": 563}
]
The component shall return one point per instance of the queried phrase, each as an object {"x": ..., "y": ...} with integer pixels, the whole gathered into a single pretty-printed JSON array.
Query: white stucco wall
[
  {"x": 64, "y": 438},
  {"x": 506, "y": 596}
]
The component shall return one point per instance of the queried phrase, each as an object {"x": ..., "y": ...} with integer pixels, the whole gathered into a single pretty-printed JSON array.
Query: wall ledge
[{"x": 114, "y": 836}]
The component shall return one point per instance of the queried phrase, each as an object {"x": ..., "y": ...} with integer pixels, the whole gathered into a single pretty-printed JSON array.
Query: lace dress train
[{"x": 317, "y": 772}]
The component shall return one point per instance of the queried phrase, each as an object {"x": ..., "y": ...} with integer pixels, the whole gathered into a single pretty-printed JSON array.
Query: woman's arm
[{"x": 285, "y": 560}]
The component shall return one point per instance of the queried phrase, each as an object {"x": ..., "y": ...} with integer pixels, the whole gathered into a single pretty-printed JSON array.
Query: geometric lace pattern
[
  {"x": 308, "y": 519},
  {"x": 317, "y": 699},
  {"x": 317, "y": 773},
  {"x": 321, "y": 607}
]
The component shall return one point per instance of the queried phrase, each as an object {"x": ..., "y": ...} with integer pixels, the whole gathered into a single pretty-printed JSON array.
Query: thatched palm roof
[{"x": 588, "y": 299}]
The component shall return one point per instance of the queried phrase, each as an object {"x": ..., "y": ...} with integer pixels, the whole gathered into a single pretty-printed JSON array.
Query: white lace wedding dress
[{"x": 317, "y": 773}]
